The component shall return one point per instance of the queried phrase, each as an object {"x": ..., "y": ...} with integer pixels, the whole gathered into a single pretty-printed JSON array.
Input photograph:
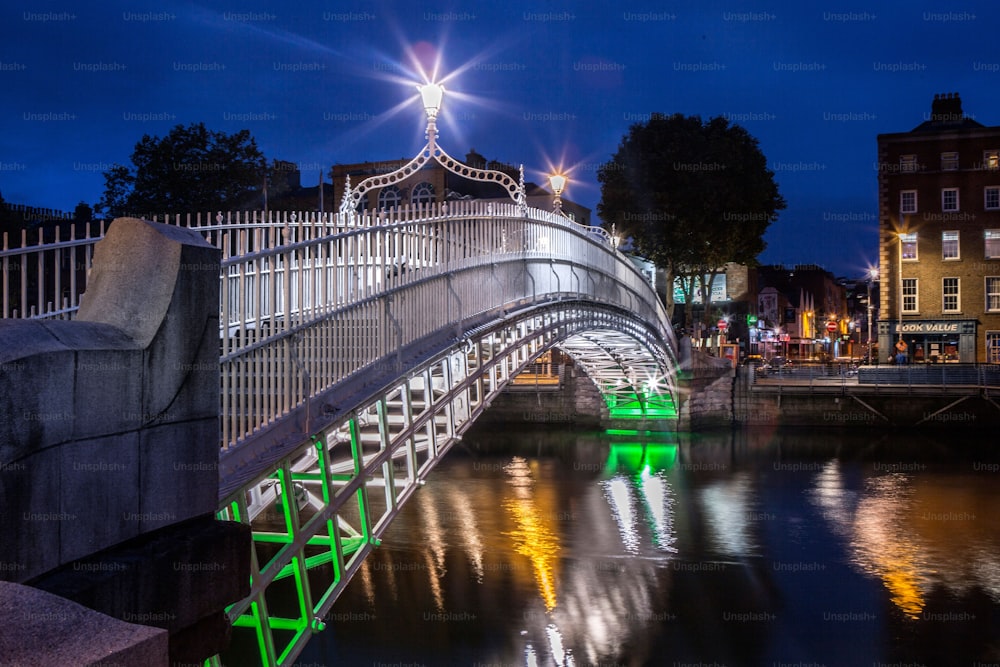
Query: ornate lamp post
[
  {"x": 557, "y": 182},
  {"x": 432, "y": 95}
]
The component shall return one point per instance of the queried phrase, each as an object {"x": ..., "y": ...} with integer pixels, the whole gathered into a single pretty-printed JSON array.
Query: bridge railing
[
  {"x": 44, "y": 274},
  {"x": 302, "y": 316},
  {"x": 310, "y": 299}
]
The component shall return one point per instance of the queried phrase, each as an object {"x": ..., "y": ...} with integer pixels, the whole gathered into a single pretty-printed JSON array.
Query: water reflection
[
  {"x": 584, "y": 549},
  {"x": 618, "y": 493},
  {"x": 646, "y": 464},
  {"x": 535, "y": 535},
  {"x": 728, "y": 506},
  {"x": 882, "y": 542},
  {"x": 915, "y": 533},
  {"x": 659, "y": 504}
]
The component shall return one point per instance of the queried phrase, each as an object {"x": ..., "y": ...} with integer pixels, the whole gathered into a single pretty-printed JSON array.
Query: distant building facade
[
  {"x": 802, "y": 312},
  {"x": 939, "y": 237},
  {"x": 434, "y": 184}
]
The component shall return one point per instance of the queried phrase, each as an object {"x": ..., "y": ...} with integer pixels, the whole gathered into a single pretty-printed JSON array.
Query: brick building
[
  {"x": 939, "y": 237},
  {"x": 434, "y": 183}
]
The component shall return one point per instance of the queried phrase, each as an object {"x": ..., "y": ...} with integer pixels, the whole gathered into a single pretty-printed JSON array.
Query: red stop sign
[
  {"x": 722, "y": 324},
  {"x": 831, "y": 326}
]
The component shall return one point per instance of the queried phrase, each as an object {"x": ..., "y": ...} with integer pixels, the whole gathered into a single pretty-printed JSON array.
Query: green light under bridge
[
  {"x": 637, "y": 406},
  {"x": 633, "y": 457}
]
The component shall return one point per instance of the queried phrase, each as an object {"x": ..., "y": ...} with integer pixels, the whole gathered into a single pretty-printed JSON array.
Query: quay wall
[
  {"x": 711, "y": 395},
  {"x": 861, "y": 405}
]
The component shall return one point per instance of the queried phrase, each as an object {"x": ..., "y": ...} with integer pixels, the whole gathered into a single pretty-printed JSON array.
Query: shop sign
[{"x": 928, "y": 327}]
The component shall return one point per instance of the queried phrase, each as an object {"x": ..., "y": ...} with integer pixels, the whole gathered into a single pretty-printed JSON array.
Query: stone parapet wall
[{"x": 110, "y": 421}]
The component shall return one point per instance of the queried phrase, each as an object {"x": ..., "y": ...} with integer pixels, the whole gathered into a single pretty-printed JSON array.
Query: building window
[
  {"x": 991, "y": 198},
  {"x": 907, "y": 164},
  {"x": 389, "y": 197},
  {"x": 993, "y": 244},
  {"x": 909, "y": 295},
  {"x": 949, "y": 199},
  {"x": 993, "y": 347},
  {"x": 950, "y": 302},
  {"x": 908, "y": 201},
  {"x": 949, "y": 161},
  {"x": 991, "y": 159},
  {"x": 423, "y": 193},
  {"x": 993, "y": 293},
  {"x": 909, "y": 242},
  {"x": 949, "y": 245}
]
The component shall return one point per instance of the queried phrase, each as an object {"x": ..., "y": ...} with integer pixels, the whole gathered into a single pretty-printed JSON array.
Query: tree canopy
[
  {"x": 191, "y": 169},
  {"x": 691, "y": 195}
]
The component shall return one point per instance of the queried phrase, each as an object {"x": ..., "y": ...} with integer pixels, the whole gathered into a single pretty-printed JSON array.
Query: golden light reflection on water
[
  {"x": 535, "y": 536},
  {"x": 883, "y": 542},
  {"x": 915, "y": 532},
  {"x": 435, "y": 553}
]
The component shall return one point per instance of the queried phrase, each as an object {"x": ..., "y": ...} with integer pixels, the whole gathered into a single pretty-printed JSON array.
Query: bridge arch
[
  {"x": 385, "y": 341},
  {"x": 355, "y": 349}
]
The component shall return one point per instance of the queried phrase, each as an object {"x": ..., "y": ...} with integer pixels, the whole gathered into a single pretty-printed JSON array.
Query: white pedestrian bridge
[{"x": 355, "y": 349}]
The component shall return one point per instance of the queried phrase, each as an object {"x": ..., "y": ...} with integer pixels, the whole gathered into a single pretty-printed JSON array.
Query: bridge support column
[{"x": 705, "y": 390}]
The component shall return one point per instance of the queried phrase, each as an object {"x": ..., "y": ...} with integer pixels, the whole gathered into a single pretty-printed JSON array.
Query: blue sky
[{"x": 540, "y": 83}]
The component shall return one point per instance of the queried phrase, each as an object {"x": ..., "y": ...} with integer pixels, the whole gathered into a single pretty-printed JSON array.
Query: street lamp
[
  {"x": 872, "y": 276},
  {"x": 557, "y": 183},
  {"x": 899, "y": 288},
  {"x": 431, "y": 94}
]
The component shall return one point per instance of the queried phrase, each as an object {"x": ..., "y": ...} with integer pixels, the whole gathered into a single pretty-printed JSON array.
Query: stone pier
[{"x": 109, "y": 442}]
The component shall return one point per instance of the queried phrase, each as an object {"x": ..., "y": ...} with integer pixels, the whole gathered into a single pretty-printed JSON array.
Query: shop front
[{"x": 931, "y": 341}]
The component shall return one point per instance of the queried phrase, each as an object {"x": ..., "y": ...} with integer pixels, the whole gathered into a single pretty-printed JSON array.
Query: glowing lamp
[
  {"x": 431, "y": 94},
  {"x": 558, "y": 182}
]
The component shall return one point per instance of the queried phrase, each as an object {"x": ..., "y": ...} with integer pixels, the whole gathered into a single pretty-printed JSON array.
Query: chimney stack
[{"x": 947, "y": 108}]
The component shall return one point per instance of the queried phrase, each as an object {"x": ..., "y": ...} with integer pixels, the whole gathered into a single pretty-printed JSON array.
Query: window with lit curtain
[
  {"x": 993, "y": 293},
  {"x": 909, "y": 295},
  {"x": 993, "y": 347},
  {"x": 950, "y": 301},
  {"x": 909, "y": 242},
  {"x": 992, "y": 242},
  {"x": 949, "y": 245}
]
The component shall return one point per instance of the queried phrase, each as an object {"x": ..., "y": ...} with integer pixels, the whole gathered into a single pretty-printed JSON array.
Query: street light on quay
[{"x": 872, "y": 276}]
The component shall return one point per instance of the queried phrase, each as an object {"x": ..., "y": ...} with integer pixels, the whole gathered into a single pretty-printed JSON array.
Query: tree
[
  {"x": 691, "y": 195},
  {"x": 191, "y": 169}
]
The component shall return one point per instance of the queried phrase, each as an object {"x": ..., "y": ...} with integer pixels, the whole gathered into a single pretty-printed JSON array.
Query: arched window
[
  {"x": 389, "y": 197},
  {"x": 423, "y": 193}
]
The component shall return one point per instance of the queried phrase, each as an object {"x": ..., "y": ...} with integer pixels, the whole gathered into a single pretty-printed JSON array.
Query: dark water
[{"x": 767, "y": 548}]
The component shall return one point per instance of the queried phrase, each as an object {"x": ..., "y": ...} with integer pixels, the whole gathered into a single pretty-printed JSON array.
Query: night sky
[{"x": 541, "y": 83}]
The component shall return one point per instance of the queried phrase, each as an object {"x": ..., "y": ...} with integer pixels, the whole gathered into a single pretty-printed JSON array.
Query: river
[{"x": 763, "y": 547}]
